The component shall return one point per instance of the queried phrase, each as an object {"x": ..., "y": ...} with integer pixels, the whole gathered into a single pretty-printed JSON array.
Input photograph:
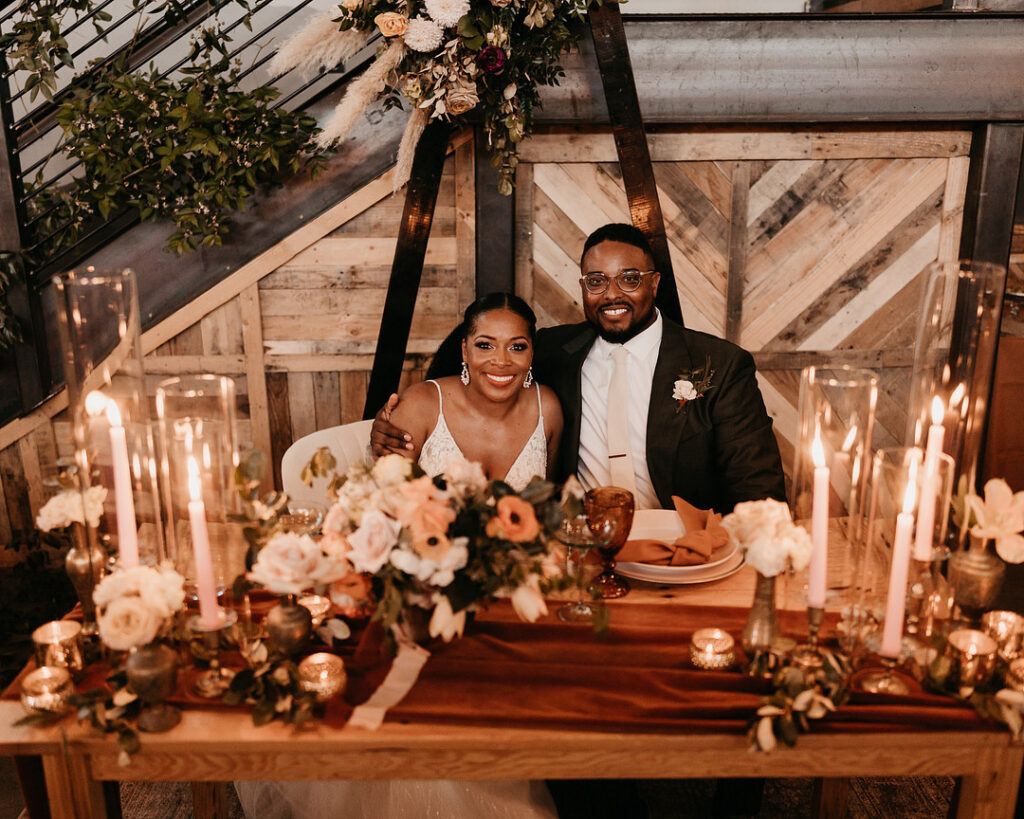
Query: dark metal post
[
  {"x": 631, "y": 144},
  {"x": 420, "y": 198}
]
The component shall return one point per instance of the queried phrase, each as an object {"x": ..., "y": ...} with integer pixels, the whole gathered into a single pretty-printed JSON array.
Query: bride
[{"x": 495, "y": 414}]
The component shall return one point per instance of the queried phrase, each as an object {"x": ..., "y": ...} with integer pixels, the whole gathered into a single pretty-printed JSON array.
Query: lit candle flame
[
  {"x": 851, "y": 436},
  {"x": 95, "y": 403},
  {"x": 937, "y": 410},
  {"x": 195, "y": 487},
  {"x": 817, "y": 450},
  {"x": 958, "y": 395}
]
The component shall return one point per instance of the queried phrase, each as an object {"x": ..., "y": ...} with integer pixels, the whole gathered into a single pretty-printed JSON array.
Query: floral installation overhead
[
  {"x": 450, "y": 59},
  {"x": 448, "y": 544},
  {"x": 765, "y": 531},
  {"x": 692, "y": 384}
]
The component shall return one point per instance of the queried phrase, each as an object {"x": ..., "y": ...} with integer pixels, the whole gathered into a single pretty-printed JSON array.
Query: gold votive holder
[
  {"x": 59, "y": 643},
  {"x": 46, "y": 689},
  {"x": 973, "y": 654},
  {"x": 1015, "y": 675},
  {"x": 323, "y": 674},
  {"x": 1007, "y": 629},
  {"x": 319, "y": 607},
  {"x": 712, "y": 649}
]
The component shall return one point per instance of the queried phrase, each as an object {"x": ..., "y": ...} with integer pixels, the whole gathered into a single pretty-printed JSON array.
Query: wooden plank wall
[{"x": 803, "y": 245}]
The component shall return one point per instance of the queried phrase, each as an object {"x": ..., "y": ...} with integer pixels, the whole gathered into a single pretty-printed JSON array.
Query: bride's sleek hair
[
  {"x": 497, "y": 301},
  {"x": 448, "y": 358}
]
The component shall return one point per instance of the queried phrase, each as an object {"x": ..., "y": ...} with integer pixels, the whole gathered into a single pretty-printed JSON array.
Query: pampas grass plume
[
  {"x": 318, "y": 45},
  {"x": 360, "y": 93},
  {"x": 407, "y": 149}
]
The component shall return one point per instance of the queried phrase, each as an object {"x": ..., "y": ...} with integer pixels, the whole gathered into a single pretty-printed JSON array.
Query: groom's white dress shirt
[{"x": 596, "y": 379}]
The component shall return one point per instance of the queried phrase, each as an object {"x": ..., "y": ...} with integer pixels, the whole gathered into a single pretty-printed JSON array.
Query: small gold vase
[{"x": 85, "y": 564}]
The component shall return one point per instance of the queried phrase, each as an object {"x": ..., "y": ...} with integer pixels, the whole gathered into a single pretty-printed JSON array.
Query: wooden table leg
[
  {"x": 210, "y": 800},
  {"x": 72, "y": 791},
  {"x": 990, "y": 793},
  {"x": 830, "y": 798}
]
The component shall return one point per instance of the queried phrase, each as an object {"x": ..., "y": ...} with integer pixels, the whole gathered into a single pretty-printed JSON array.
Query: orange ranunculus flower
[
  {"x": 515, "y": 520},
  {"x": 427, "y": 517},
  {"x": 431, "y": 545},
  {"x": 391, "y": 23}
]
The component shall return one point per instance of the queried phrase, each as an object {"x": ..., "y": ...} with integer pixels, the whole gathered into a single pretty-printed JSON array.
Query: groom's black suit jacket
[{"x": 714, "y": 452}]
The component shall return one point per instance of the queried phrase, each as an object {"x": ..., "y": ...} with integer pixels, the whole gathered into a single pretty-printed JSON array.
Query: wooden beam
[
  {"x": 495, "y": 227},
  {"x": 631, "y": 144},
  {"x": 737, "y": 250},
  {"x": 421, "y": 196}
]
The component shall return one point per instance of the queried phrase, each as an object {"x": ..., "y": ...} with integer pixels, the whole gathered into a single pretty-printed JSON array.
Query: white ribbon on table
[{"x": 405, "y": 670}]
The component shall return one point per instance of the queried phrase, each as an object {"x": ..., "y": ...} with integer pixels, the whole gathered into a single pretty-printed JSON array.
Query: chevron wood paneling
[{"x": 825, "y": 234}]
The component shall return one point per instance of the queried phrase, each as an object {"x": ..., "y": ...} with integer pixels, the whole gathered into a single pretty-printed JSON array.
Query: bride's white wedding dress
[{"x": 410, "y": 798}]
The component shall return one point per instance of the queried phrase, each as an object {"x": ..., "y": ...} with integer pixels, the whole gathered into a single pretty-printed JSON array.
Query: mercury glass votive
[
  {"x": 712, "y": 649},
  {"x": 318, "y": 606},
  {"x": 973, "y": 654},
  {"x": 1007, "y": 629},
  {"x": 59, "y": 643},
  {"x": 323, "y": 674},
  {"x": 46, "y": 689}
]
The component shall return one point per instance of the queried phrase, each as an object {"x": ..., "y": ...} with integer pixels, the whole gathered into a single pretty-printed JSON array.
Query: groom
[{"x": 691, "y": 419}]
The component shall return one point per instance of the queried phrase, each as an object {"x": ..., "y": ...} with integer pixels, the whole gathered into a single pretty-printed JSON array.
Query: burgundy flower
[{"x": 491, "y": 60}]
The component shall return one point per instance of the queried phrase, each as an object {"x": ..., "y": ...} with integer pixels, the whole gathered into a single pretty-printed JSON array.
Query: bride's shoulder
[{"x": 549, "y": 402}]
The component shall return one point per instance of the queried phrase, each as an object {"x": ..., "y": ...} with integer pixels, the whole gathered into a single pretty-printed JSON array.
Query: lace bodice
[{"x": 440, "y": 446}]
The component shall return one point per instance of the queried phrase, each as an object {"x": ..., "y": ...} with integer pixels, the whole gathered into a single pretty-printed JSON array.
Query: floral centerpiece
[
  {"x": 771, "y": 543},
  {"x": 447, "y": 544},
  {"x": 999, "y": 516},
  {"x": 136, "y": 604},
  {"x": 449, "y": 59}
]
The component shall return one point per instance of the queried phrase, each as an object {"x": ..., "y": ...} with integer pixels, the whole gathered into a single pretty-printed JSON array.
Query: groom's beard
[{"x": 622, "y": 336}]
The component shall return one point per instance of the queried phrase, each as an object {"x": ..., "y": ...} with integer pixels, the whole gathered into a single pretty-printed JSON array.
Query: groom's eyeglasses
[{"x": 627, "y": 280}]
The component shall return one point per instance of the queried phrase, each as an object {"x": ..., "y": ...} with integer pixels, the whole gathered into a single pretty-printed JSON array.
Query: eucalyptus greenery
[{"x": 191, "y": 147}]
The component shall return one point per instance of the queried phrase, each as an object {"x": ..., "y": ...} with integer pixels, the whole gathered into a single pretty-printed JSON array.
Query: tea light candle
[
  {"x": 323, "y": 674},
  {"x": 926, "y": 509},
  {"x": 819, "y": 527},
  {"x": 1007, "y": 629},
  {"x": 209, "y": 615},
  {"x": 895, "y": 605},
  {"x": 46, "y": 689},
  {"x": 59, "y": 643},
  {"x": 974, "y": 653},
  {"x": 124, "y": 501},
  {"x": 712, "y": 649}
]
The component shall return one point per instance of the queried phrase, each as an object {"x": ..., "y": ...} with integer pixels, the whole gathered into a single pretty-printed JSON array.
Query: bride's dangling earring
[
  {"x": 528, "y": 381},
  {"x": 464, "y": 377}
]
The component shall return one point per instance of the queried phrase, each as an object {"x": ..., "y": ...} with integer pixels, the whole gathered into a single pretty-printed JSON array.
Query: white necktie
[{"x": 620, "y": 453}]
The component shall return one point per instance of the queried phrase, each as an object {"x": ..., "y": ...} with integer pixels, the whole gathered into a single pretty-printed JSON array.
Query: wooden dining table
[{"x": 468, "y": 718}]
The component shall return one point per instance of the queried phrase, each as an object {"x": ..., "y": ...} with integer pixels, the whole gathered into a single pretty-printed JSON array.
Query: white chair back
[{"x": 350, "y": 445}]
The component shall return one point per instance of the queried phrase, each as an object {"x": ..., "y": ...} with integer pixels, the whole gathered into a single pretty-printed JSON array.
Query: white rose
[
  {"x": 372, "y": 541},
  {"x": 129, "y": 622},
  {"x": 444, "y": 622},
  {"x": 527, "y": 600},
  {"x": 94, "y": 497},
  {"x": 766, "y": 555},
  {"x": 464, "y": 475},
  {"x": 684, "y": 391},
  {"x": 392, "y": 469},
  {"x": 291, "y": 563},
  {"x": 172, "y": 587},
  {"x": 800, "y": 547},
  {"x": 751, "y": 519}
]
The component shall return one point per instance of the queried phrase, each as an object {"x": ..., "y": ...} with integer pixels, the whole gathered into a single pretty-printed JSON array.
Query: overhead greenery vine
[{"x": 190, "y": 148}]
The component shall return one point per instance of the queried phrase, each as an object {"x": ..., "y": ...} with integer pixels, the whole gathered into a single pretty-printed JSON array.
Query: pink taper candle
[
  {"x": 819, "y": 528},
  {"x": 895, "y": 604},
  {"x": 127, "y": 535},
  {"x": 209, "y": 615},
  {"x": 926, "y": 509}
]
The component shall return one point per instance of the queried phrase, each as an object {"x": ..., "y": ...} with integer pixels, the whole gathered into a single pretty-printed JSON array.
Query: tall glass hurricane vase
[
  {"x": 199, "y": 446},
  {"x": 837, "y": 416},
  {"x": 99, "y": 325}
]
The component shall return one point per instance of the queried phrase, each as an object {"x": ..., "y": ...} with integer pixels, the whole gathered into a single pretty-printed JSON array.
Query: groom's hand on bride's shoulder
[{"x": 384, "y": 436}]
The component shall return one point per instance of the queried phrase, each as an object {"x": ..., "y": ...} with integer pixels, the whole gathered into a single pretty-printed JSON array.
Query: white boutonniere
[{"x": 692, "y": 384}]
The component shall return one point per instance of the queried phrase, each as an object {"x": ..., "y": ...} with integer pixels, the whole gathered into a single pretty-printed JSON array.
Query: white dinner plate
[
  {"x": 672, "y": 575},
  {"x": 664, "y": 525}
]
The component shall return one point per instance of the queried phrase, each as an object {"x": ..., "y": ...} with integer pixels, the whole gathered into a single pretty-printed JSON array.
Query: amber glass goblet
[{"x": 610, "y": 504}]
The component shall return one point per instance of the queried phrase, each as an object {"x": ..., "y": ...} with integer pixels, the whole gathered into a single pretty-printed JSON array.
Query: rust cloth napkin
[{"x": 704, "y": 534}]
